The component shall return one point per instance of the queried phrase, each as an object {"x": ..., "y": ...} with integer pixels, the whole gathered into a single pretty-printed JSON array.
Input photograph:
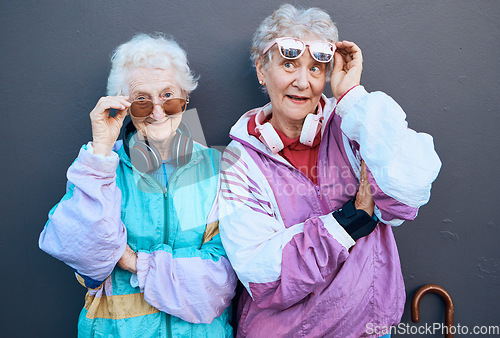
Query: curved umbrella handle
[{"x": 448, "y": 302}]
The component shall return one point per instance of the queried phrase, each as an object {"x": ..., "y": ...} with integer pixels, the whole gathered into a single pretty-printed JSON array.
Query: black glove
[{"x": 356, "y": 222}]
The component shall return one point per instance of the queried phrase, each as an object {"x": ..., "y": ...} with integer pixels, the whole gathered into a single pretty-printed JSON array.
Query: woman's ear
[
  {"x": 185, "y": 94},
  {"x": 260, "y": 73}
]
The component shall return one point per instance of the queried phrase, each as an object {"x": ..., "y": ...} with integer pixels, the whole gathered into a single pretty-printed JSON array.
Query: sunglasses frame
[
  {"x": 186, "y": 100},
  {"x": 304, "y": 43}
]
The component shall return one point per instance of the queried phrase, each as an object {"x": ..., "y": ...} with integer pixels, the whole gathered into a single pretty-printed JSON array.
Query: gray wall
[{"x": 438, "y": 59}]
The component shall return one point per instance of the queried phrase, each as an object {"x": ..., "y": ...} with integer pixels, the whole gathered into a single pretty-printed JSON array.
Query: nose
[
  {"x": 301, "y": 78},
  {"x": 158, "y": 112}
]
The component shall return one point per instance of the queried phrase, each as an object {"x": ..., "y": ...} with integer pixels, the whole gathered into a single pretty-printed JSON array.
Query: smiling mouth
[
  {"x": 297, "y": 98},
  {"x": 153, "y": 121}
]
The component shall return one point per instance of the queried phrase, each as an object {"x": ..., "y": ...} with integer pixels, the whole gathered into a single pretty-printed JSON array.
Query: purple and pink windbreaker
[{"x": 303, "y": 274}]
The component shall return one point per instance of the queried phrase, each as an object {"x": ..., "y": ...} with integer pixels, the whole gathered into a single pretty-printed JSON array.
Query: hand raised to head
[
  {"x": 347, "y": 67},
  {"x": 106, "y": 128}
]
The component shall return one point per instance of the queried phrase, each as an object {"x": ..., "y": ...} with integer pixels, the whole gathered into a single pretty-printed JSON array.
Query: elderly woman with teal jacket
[{"x": 138, "y": 223}]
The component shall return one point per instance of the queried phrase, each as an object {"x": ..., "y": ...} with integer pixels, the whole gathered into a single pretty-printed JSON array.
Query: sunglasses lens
[
  {"x": 174, "y": 106},
  {"x": 141, "y": 108},
  {"x": 291, "y": 48},
  {"x": 144, "y": 108},
  {"x": 321, "y": 51}
]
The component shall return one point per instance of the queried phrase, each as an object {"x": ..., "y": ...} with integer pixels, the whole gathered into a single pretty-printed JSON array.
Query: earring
[{"x": 261, "y": 82}]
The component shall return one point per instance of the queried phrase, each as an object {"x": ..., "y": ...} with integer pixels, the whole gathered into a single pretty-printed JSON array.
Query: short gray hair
[
  {"x": 294, "y": 22},
  {"x": 152, "y": 51}
]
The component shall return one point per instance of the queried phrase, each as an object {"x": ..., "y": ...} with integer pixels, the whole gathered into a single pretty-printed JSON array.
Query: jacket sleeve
[
  {"x": 84, "y": 229},
  {"x": 194, "y": 285},
  {"x": 401, "y": 163},
  {"x": 279, "y": 266}
]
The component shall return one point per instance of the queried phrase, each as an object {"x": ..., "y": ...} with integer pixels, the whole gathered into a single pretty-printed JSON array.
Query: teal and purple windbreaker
[{"x": 184, "y": 282}]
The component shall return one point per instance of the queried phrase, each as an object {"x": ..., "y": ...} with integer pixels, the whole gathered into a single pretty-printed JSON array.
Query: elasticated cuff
[
  {"x": 142, "y": 268},
  {"x": 337, "y": 231},
  {"x": 350, "y": 99},
  {"x": 105, "y": 164}
]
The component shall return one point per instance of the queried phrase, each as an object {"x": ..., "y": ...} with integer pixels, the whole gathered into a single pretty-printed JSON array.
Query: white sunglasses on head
[{"x": 293, "y": 48}]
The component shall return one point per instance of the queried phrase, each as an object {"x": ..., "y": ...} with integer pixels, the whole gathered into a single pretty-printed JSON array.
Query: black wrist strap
[{"x": 356, "y": 222}]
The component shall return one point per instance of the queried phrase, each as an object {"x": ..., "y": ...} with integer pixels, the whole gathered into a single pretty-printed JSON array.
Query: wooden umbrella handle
[{"x": 448, "y": 302}]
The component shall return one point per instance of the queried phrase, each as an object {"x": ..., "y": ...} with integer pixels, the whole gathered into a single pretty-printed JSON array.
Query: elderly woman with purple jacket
[{"x": 311, "y": 187}]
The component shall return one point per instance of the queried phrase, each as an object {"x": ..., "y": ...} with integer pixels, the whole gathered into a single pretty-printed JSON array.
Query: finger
[
  {"x": 356, "y": 54},
  {"x": 364, "y": 175},
  {"x": 365, "y": 183},
  {"x": 341, "y": 51},
  {"x": 344, "y": 45},
  {"x": 119, "y": 104},
  {"x": 349, "y": 59},
  {"x": 111, "y": 100},
  {"x": 120, "y": 116},
  {"x": 348, "y": 47},
  {"x": 124, "y": 100},
  {"x": 363, "y": 170},
  {"x": 110, "y": 103},
  {"x": 338, "y": 63}
]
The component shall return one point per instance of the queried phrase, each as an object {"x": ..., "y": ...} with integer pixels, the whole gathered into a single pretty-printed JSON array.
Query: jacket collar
[
  {"x": 197, "y": 156},
  {"x": 239, "y": 131}
]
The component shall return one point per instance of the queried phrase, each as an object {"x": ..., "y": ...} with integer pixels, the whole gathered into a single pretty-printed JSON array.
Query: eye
[
  {"x": 315, "y": 69},
  {"x": 140, "y": 98},
  {"x": 288, "y": 65},
  {"x": 168, "y": 95}
]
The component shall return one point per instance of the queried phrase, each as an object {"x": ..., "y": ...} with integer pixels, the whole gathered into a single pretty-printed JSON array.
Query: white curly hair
[{"x": 152, "y": 51}]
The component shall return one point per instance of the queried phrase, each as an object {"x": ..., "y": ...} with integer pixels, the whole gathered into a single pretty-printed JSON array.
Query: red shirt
[{"x": 302, "y": 157}]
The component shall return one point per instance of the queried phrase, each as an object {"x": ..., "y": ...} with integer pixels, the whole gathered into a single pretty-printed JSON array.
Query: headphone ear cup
[
  {"x": 144, "y": 157},
  {"x": 310, "y": 129},
  {"x": 182, "y": 148},
  {"x": 270, "y": 138}
]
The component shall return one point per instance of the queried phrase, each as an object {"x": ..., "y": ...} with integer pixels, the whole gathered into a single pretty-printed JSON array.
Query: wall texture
[{"x": 438, "y": 59}]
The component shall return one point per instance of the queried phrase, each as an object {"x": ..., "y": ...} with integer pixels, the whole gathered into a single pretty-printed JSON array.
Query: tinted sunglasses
[
  {"x": 292, "y": 48},
  {"x": 171, "y": 106}
]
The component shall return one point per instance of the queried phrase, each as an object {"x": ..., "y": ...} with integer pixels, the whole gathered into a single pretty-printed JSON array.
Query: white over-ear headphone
[{"x": 269, "y": 136}]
